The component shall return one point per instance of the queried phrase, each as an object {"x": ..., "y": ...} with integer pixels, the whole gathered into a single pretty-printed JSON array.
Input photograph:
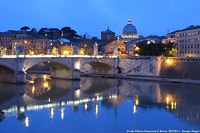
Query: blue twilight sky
[{"x": 94, "y": 16}]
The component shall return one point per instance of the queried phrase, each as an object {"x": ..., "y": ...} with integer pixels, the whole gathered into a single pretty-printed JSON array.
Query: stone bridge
[{"x": 13, "y": 68}]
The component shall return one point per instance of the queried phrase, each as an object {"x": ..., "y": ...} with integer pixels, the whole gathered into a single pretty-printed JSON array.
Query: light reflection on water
[{"x": 110, "y": 105}]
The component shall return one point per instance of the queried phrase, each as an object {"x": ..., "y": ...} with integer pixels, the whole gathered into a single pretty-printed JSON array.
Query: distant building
[
  {"x": 32, "y": 45},
  {"x": 188, "y": 41},
  {"x": 170, "y": 38},
  {"x": 7, "y": 37},
  {"x": 109, "y": 48},
  {"x": 65, "y": 50},
  {"x": 107, "y": 36},
  {"x": 129, "y": 32}
]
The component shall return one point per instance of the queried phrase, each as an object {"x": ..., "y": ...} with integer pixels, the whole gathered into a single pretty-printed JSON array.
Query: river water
[{"x": 97, "y": 105}]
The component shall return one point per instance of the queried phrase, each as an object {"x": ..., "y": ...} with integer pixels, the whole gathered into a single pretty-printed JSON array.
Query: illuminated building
[
  {"x": 170, "y": 38},
  {"x": 109, "y": 48},
  {"x": 7, "y": 37},
  {"x": 32, "y": 45},
  {"x": 129, "y": 32},
  {"x": 188, "y": 41},
  {"x": 65, "y": 50}
]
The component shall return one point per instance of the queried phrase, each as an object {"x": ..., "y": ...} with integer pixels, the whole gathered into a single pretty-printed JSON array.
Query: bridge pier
[{"x": 20, "y": 77}]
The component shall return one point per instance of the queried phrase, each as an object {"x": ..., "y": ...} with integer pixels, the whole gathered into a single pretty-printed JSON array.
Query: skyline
[{"x": 92, "y": 17}]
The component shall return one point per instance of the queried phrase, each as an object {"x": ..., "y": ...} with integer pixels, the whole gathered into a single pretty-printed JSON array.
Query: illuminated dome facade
[{"x": 129, "y": 31}]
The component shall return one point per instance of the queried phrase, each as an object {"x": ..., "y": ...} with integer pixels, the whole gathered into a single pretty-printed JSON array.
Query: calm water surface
[{"x": 97, "y": 105}]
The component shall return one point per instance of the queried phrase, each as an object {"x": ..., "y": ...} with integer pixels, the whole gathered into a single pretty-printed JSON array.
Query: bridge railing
[{"x": 56, "y": 56}]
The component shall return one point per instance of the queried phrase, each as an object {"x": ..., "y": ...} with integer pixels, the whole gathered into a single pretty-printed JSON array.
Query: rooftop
[
  {"x": 192, "y": 27},
  {"x": 108, "y": 31}
]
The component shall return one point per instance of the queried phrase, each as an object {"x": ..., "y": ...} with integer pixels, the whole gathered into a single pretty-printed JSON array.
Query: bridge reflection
[{"x": 94, "y": 93}]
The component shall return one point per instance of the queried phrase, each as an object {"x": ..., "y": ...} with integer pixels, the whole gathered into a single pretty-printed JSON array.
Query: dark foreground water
[{"x": 97, "y": 105}]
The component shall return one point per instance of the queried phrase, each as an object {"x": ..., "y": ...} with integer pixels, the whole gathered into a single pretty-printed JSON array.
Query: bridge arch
[
  {"x": 7, "y": 66},
  {"x": 99, "y": 67},
  {"x": 59, "y": 69},
  {"x": 52, "y": 64},
  {"x": 7, "y": 73}
]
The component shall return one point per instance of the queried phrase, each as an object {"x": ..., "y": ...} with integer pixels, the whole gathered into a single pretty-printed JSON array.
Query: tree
[
  {"x": 25, "y": 28},
  {"x": 152, "y": 49},
  {"x": 155, "y": 49},
  {"x": 43, "y": 31},
  {"x": 170, "y": 49}
]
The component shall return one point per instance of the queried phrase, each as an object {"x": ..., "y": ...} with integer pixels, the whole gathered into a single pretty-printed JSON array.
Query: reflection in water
[
  {"x": 52, "y": 112},
  {"x": 27, "y": 121},
  {"x": 62, "y": 113},
  {"x": 91, "y": 94}
]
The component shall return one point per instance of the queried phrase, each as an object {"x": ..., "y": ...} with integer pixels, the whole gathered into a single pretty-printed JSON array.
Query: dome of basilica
[{"x": 129, "y": 31}]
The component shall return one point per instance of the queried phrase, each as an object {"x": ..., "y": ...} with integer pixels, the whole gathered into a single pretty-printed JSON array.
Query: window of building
[
  {"x": 185, "y": 52},
  {"x": 188, "y": 45},
  {"x": 185, "y": 46},
  {"x": 191, "y": 52},
  {"x": 198, "y": 46},
  {"x": 194, "y": 52},
  {"x": 191, "y": 45},
  {"x": 198, "y": 52},
  {"x": 194, "y": 45}
]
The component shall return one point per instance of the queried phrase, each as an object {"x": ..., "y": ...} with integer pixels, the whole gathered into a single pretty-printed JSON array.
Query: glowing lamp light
[
  {"x": 65, "y": 52},
  {"x": 136, "y": 102},
  {"x": 32, "y": 53},
  {"x": 137, "y": 48},
  {"x": 46, "y": 85},
  {"x": 168, "y": 61}
]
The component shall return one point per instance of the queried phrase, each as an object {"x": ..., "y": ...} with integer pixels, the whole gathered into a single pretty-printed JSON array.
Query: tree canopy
[
  {"x": 155, "y": 49},
  {"x": 25, "y": 28}
]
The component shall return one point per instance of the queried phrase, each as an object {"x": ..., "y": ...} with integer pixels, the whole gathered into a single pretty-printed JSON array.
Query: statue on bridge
[
  {"x": 54, "y": 51},
  {"x": 115, "y": 47},
  {"x": 3, "y": 50},
  {"x": 95, "y": 52},
  {"x": 75, "y": 50},
  {"x": 19, "y": 50}
]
